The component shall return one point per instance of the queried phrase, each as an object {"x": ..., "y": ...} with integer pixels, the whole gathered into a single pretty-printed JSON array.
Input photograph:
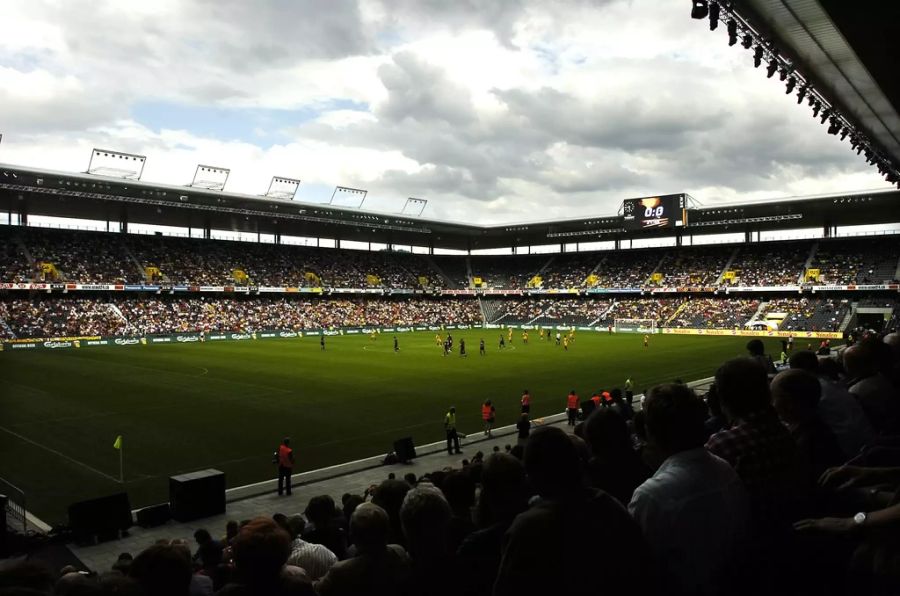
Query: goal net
[{"x": 635, "y": 325}]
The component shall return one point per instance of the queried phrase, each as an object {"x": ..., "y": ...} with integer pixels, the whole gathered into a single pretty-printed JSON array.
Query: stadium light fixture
[
  {"x": 747, "y": 42},
  {"x": 789, "y": 88},
  {"x": 282, "y": 188},
  {"x": 834, "y": 126},
  {"x": 826, "y": 114},
  {"x": 845, "y": 132},
  {"x": 773, "y": 66},
  {"x": 116, "y": 164},
  {"x": 816, "y": 107},
  {"x": 700, "y": 9},
  {"x": 801, "y": 94},
  {"x": 210, "y": 177},
  {"x": 732, "y": 32},
  {"x": 757, "y": 56},
  {"x": 713, "y": 16}
]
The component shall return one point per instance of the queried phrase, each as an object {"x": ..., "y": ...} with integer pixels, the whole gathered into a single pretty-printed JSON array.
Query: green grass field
[{"x": 226, "y": 405}]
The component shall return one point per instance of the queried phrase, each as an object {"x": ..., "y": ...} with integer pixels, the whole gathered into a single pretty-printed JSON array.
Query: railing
[{"x": 15, "y": 504}]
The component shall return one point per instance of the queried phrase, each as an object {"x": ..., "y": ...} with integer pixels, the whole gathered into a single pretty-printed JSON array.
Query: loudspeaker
[
  {"x": 196, "y": 495},
  {"x": 103, "y": 517},
  {"x": 587, "y": 408},
  {"x": 405, "y": 449},
  {"x": 154, "y": 515}
]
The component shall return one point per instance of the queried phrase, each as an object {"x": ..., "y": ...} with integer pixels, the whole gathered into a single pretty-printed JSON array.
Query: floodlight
[
  {"x": 348, "y": 196},
  {"x": 713, "y": 16},
  {"x": 845, "y": 132},
  {"x": 834, "y": 126},
  {"x": 825, "y": 115},
  {"x": 757, "y": 56},
  {"x": 747, "y": 41},
  {"x": 700, "y": 9},
  {"x": 800, "y": 94},
  {"x": 210, "y": 177},
  {"x": 732, "y": 32},
  {"x": 816, "y": 107},
  {"x": 116, "y": 164},
  {"x": 282, "y": 188},
  {"x": 773, "y": 66}
]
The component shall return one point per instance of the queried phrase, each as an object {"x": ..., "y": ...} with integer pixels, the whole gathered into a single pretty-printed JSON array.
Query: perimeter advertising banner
[{"x": 752, "y": 333}]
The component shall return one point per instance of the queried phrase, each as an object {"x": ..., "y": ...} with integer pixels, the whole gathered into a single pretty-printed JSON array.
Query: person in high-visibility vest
[
  {"x": 526, "y": 402},
  {"x": 285, "y": 466},
  {"x": 572, "y": 407},
  {"x": 488, "y": 411},
  {"x": 450, "y": 428}
]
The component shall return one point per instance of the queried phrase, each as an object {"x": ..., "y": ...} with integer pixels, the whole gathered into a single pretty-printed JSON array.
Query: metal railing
[{"x": 15, "y": 505}]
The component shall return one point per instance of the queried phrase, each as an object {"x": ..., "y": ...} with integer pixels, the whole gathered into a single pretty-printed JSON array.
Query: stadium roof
[
  {"x": 849, "y": 50},
  {"x": 86, "y": 196}
]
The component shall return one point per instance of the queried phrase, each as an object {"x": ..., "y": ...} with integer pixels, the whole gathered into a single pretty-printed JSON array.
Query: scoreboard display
[{"x": 653, "y": 213}]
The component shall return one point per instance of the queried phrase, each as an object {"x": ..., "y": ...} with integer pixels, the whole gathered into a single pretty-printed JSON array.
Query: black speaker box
[
  {"x": 196, "y": 495},
  {"x": 587, "y": 408},
  {"x": 405, "y": 449},
  {"x": 154, "y": 515},
  {"x": 104, "y": 517}
]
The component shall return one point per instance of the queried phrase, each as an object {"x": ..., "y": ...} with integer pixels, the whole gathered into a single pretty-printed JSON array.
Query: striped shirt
[{"x": 315, "y": 559}]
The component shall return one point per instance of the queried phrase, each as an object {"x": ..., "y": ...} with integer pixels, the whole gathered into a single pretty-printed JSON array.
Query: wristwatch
[{"x": 859, "y": 519}]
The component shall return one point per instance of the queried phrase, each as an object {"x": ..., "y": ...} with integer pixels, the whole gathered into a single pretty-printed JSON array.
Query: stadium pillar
[
  {"x": 678, "y": 240},
  {"x": 23, "y": 217}
]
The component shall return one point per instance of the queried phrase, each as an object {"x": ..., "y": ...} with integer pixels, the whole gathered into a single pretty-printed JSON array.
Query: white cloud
[{"x": 495, "y": 110}]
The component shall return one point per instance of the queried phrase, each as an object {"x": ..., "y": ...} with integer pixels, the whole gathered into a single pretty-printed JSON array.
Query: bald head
[
  {"x": 369, "y": 526},
  {"x": 893, "y": 342}
]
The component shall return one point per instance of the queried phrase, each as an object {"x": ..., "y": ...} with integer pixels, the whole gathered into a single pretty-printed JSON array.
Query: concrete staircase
[
  {"x": 809, "y": 261},
  {"x": 756, "y": 316},
  {"x": 431, "y": 262},
  {"x": 727, "y": 266}
]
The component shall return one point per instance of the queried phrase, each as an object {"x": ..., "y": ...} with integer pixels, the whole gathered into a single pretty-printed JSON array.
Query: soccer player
[
  {"x": 646, "y": 341},
  {"x": 572, "y": 407},
  {"x": 373, "y": 336},
  {"x": 322, "y": 341},
  {"x": 509, "y": 335},
  {"x": 525, "y": 337},
  {"x": 450, "y": 429},
  {"x": 566, "y": 343},
  {"x": 526, "y": 402},
  {"x": 488, "y": 412},
  {"x": 437, "y": 339},
  {"x": 481, "y": 347},
  {"x": 558, "y": 337},
  {"x": 446, "y": 347},
  {"x": 790, "y": 342},
  {"x": 396, "y": 344},
  {"x": 502, "y": 342},
  {"x": 462, "y": 348}
]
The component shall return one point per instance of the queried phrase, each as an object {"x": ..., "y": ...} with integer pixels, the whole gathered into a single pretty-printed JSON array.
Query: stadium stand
[
  {"x": 862, "y": 261},
  {"x": 570, "y": 270},
  {"x": 770, "y": 265},
  {"x": 509, "y": 272},
  {"x": 712, "y": 313},
  {"x": 686, "y": 267},
  {"x": 816, "y": 314}
]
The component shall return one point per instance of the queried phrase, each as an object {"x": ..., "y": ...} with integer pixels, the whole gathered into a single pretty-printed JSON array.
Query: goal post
[{"x": 635, "y": 326}]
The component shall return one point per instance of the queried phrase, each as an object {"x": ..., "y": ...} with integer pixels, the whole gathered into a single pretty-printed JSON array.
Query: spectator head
[
  {"x": 320, "y": 511},
  {"x": 459, "y": 490},
  {"x": 286, "y": 441},
  {"x": 743, "y": 387},
  {"x": 675, "y": 418},
  {"x": 502, "y": 494},
  {"x": 713, "y": 402},
  {"x": 805, "y": 360},
  {"x": 392, "y": 476},
  {"x": 452, "y": 410},
  {"x": 606, "y": 433},
  {"x": 295, "y": 525},
  {"x": 369, "y": 526},
  {"x": 202, "y": 537},
  {"x": 796, "y": 394},
  {"x": 892, "y": 340},
  {"x": 487, "y": 402},
  {"x": 260, "y": 551},
  {"x": 518, "y": 452},
  {"x": 350, "y": 505},
  {"x": 389, "y": 496},
  {"x": 756, "y": 347},
  {"x": 865, "y": 358},
  {"x": 425, "y": 517},
  {"x": 73, "y": 583},
  {"x": 552, "y": 462},
  {"x": 162, "y": 570}
]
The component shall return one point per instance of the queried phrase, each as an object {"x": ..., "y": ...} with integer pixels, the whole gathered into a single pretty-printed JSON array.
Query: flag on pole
[{"x": 118, "y": 443}]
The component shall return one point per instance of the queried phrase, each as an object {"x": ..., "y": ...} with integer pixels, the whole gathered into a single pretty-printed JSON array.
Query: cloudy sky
[{"x": 493, "y": 110}]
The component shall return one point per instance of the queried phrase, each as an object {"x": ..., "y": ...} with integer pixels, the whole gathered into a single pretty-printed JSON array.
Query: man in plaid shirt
[{"x": 757, "y": 445}]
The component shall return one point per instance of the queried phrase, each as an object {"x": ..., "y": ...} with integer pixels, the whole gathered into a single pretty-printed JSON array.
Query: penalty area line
[{"x": 55, "y": 452}]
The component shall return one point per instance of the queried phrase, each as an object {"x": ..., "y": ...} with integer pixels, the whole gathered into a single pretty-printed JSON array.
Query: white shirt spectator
[
  {"x": 693, "y": 512},
  {"x": 315, "y": 559}
]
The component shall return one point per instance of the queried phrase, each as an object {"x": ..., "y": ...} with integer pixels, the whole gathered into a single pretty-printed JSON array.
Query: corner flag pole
[{"x": 120, "y": 446}]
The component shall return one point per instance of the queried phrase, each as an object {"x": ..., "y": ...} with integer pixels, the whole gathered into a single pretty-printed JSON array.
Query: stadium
[{"x": 159, "y": 341}]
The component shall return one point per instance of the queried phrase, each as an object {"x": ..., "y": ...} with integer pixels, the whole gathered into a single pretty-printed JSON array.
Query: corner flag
[{"x": 118, "y": 443}]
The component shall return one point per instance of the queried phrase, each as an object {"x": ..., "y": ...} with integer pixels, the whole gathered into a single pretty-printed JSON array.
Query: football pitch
[{"x": 226, "y": 405}]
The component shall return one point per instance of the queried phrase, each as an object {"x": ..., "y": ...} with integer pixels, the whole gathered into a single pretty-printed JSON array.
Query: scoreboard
[{"x": 654, "y": 213}]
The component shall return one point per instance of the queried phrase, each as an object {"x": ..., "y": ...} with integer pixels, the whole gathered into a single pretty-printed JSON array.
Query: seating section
[
  {"x": 809, "y": 314},
  {"x": 111, "y": 258},
  {"x": 714, "y": 313},
  {"x": 863, "y": 261},
  {"x": 770, "y": 265},
  {"x": 70, "y": 316}
]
